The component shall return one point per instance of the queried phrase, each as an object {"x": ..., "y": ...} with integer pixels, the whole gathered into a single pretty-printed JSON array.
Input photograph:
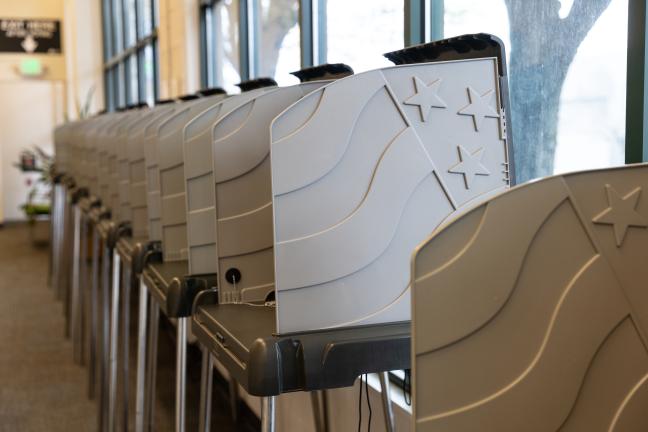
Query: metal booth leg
[
  {"x": 83, "y": 312},
  {"x": 56, "y": 238},
  {"x": 385, "y": 394},
  {"x": 181, "y": 374},
  {"x": 233, "y": 398},
  {"x": 151, "y": 369},
  {"x": 105, "y": 340},
  {"x": 206, "y": 381},
  {"x": 268, "y": 418},
  {"x": 94, "y": 319},
  {"x": 141, "y": 357},
  {"x": 74, "y": 307},
  {"x": 319, "y": 403},
  {"x": 114, "y": 336},
  {"x": 125, "y": 321}
]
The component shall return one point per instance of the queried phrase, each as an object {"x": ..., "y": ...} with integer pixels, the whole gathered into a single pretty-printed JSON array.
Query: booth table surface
[{"x": 242, "y": 337}]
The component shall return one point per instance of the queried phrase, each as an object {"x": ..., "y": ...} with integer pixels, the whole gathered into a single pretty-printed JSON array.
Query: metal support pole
[
  {"x": 268, "y": 418},
  {"x": 83, "y": 286},
  {"x": 114, "y": 336},
  {"x": 151, "y": 358},
  {"x": 57, "y": 219},
  {"x": 125, "y": 321},
  {"x": 94, "y": 319},
  {"x": 319, "y": 403},
  {"x": 206, "y": 381},
  {"x": 74, "y": 326},
  {"x": 233, "y": 398},
  {"x": 385, "y": 394},
  {"x": 181, "y": 374},
  {"x": 105, "y": 338},
  {"x": 141, "y": 357}
]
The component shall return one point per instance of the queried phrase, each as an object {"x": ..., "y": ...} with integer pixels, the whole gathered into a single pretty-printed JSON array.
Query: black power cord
[{"x": 364, "y": 381}]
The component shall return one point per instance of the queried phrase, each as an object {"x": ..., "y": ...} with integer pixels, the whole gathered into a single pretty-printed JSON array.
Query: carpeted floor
[{"x": 41, "y": 388}]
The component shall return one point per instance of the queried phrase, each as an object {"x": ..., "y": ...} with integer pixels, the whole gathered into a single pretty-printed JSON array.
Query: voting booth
[
  {"x": 172, "y": 185},
  {"x": 534, "y": 303},
  {"x": 228, "y": 182},
  {"x": 362, "y": 170}
]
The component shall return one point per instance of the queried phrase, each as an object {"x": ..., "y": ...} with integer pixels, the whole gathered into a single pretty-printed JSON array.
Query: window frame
[{"x": 125, "y": 63}]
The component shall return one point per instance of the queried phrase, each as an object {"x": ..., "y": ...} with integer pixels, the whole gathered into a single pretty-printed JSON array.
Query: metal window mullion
[
  {"x": 636, "y": 139},
  {"x": 312, "y": 23},
  {"x": 246, "y": 39}
]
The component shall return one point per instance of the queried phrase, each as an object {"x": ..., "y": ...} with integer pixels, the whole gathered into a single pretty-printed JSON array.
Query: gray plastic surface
[
  {"x": 126, "y": 141},
  {"x": 137, "y": 171},
  {"x": 172, "y": 181},
  {"x": 530, "y": 312},
  {"x": 198, "y": 148},
  {"x": 234, "y": 229},
  {"x": 118, "y": 163},
  {"x": 153, "y": 174},
  {"x": 104, "y": 142},
  {"x": 366, "y": 168}
]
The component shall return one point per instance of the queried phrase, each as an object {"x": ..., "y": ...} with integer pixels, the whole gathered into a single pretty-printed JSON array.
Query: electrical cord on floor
[
  {"x": 364, "y": 381},
  {"x": 360, "y": 407},
  {"x": 368, "y": 401}
]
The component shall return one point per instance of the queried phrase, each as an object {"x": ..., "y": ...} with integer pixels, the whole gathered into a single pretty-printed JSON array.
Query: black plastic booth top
[{"x": 242, "y": 337}]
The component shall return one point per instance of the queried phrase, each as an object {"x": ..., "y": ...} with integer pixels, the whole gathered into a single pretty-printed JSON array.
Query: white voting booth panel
[
  {"x": 104, "y": 142},
  {"x": 153, "y": 173},
  {"x": 530, "y": 312},
  {"x": 132, "y": 152},
  {"x": 172, "y": 182},
  {"x": 125, "y": 131},
  {"x": 366, "y": 168},
  {"x": 199, "y": 152},
  {"x": 234, "y": 229},
  {"x": 137, "y": 170}
]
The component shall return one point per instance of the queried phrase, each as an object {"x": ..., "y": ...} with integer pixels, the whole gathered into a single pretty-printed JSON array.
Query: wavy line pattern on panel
[
  {"x": 231, "y": 238},
  {"x": 240, "y": 151},
  {"x": 252, "y": 134},
  {"x": 589, "y": 310},
  {"x": 640, "y": 389},
  {"x": 361, "y": 237},
  {"x": 318, "y": 155},
  {"x": 447, "y": 307}
]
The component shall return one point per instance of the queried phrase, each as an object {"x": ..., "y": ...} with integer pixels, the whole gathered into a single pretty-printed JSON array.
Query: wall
[
  {"x": 30, "y": 107},
  {"x": 179, "y": 47},
  {"x": 33, "y": 107}
]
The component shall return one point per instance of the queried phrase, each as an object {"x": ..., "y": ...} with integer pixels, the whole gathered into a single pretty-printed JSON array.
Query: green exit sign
[{"x": 31, "y": 67}]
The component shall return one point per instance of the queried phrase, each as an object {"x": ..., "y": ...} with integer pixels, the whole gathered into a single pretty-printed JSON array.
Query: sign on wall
[{"x": 19, "y": 35}]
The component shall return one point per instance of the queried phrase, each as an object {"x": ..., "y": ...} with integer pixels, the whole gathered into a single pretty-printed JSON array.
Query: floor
[{"x": 41, "y": 388}]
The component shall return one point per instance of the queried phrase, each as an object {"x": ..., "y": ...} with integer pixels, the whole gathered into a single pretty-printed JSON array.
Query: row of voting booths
[{"x": 303, "y": 236}]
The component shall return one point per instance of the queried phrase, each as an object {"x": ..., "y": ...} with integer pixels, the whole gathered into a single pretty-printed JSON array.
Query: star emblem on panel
[
  {"x": 426, "y": 97},
  {"x": 479, "y": 107},
  {"x": 621, "y": 213},
  {"x": 470, "y": 165}
]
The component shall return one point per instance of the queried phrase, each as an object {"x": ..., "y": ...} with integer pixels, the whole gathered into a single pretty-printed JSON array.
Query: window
[
  {"x": 567, "y": 77},
  {"x": 359, "y": 32},
  {"x": 220, "y": 45},
  {"x": 279, "y": 39},
  {"x": 130, "y": 52}
]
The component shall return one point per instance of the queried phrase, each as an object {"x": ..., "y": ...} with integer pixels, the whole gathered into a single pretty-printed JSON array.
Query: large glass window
[
  {"x": 279, "y": 39},
  {"x": 221, "y": 48},
  {"x": 130, "y": 52},
  {"x": 360, "y": 31},
  {"x": 567, "y": 77}
]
